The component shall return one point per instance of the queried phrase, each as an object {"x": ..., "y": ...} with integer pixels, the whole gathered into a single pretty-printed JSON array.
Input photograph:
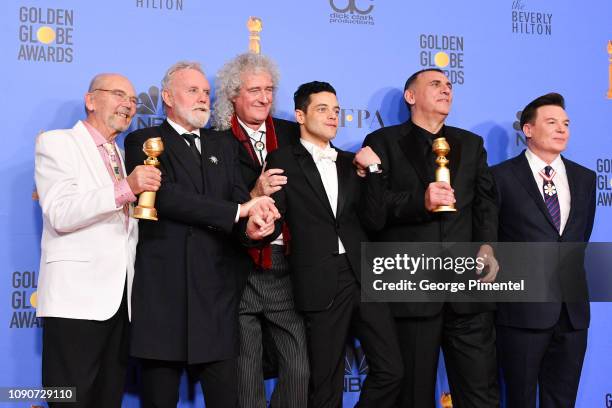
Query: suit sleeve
[
  {"x": 484, "y": 206},
  {"x": 240, "y": 194},
  {"x": 67, "y": 205},
  {"x": 280, "y": 200},
  {"x": 384, "y": 205},
  {"x": 175, "y": 202},
  {"x": 591, "y": 206}
]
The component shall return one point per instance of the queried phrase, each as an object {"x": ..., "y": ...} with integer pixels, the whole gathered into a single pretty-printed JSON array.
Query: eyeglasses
[{"x": 118, "y": 93}]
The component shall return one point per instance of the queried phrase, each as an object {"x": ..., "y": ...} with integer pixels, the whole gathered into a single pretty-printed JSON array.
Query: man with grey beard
[
  {"x": 189, "y": 266},
  {"x": 88, "y": 244}
]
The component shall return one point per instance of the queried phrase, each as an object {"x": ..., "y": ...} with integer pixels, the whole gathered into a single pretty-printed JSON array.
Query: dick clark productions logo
[{"x": 349, "y": 12}]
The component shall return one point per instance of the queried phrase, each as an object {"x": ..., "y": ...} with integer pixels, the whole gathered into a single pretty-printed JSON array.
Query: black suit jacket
[
  {"x": 303, "y": 204},
  {"x": 189, "y": 270},
  {"x": 403, "y": 217},
  {"x": 287, "y": 133},
  {"x": 523, "y": 217}
]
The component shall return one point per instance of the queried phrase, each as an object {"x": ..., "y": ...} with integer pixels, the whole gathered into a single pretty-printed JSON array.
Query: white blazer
[{"x": 86, "y": 252}]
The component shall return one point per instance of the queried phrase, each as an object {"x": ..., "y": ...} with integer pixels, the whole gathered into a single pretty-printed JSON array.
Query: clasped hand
[{"x": 262, "y": 213}]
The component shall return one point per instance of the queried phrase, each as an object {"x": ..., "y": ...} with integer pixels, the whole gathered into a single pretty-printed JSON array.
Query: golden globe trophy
[
  {"x": 255, "y": 25},
  {"x": 610, "y": 69},
  {"x": 441, "y": 148},
  {"x": 145, "y": 210},
  {"x": 445, "y": 400}
]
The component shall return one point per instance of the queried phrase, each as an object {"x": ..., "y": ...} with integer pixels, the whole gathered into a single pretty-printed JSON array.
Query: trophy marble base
[
  {"x": 144, "y": 213},
  {"x": 445, "y": 208}
]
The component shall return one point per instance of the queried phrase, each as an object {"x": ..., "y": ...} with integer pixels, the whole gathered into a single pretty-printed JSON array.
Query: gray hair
[
  {"x": 179, "y": 66},
  {"x": 229, "y": 81}
]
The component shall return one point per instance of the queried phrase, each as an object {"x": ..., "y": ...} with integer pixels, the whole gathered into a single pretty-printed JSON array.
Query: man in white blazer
[{"x": 88, "y": 245}]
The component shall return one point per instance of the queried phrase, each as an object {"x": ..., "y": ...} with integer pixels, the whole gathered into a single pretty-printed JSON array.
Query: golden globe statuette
[
  {"x": 255, "y": 25},
  {"x": 445, "y": 400},
  {"x": 145, "y": 210},
  {"x": 441, "y": 148}
]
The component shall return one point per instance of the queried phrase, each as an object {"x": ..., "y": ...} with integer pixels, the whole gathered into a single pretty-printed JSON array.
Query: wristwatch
[{"x": 374, "y": 168}]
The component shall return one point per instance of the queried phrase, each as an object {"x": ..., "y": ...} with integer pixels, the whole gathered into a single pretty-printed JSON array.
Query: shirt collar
[
  {"x": 537, "y": 164},
  {"x": 250, "y": 131},
  {"x": 181, "y": 130},
  {"x": 97, "y": 137},
  {"x": 426, "y": 135},
  {"x": 311, "y": 146}
]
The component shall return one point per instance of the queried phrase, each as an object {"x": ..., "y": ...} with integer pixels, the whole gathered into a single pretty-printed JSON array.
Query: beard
[
  {"x": 196, "y": 118},
  {"x": 119, "y": 123}
]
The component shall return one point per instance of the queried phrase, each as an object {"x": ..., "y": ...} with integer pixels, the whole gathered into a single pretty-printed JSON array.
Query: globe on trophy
[{"x": 441, "y": 148}]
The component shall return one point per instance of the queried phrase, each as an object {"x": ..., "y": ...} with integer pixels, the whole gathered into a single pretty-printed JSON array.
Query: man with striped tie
[{"x": 543, "y": 197}]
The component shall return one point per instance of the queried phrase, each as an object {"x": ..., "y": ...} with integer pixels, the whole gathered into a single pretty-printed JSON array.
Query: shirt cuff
[
  {"x": 123, "y": 193},
  {"x": 237, "y": 215}
]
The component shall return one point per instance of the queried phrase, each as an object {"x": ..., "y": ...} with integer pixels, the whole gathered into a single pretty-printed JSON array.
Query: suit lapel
[
  {"x": 95, "y": 162},
  {"x": 571, "y": 181},
  {"x": 247, "y": 152},
  {"x": 344, "y": 167},
  {"x": 213, "y": 163},
  {"x": 176, "y": 146},
  {"x": 245, "y": 158},
  {"x": 523, "y": 173},
  {"x": 309, "y": 168},
  {"x": 454, "y": 156},
  {"x": 90, "y": 151},
  {"x": 413, "y": 150}
]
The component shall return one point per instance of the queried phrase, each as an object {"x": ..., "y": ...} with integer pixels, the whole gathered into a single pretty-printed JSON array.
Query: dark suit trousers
[
  {"x": 468, "y": 342},
  {"x": 89, "y": 355},
  {"x": 161, "y": 380},
  {"x": 327, "y": 333},
  {"x": 548, "y": 358},
  {"x": 268, "y": 300}
]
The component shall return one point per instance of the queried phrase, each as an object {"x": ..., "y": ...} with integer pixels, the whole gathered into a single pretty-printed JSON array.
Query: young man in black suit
[
  {"x": 189, "y": 270},
  {"x": 543, "y": 197},
  {"x": 410, "y": 193},
  {"x": 320, "y": 204}
]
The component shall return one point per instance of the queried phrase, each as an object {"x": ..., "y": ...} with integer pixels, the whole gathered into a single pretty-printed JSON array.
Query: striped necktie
[{"x": 550, "y": 195}]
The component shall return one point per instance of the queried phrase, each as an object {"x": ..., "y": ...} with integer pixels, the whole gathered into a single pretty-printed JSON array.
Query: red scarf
[{"x": 261, "y": 256}]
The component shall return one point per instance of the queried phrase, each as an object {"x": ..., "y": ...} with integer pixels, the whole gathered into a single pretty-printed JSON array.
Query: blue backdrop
[{"x": 499, "y": 55}]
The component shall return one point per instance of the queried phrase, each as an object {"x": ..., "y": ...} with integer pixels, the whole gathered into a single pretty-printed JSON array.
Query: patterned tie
[
  {"x": 113, "y": 159},
  {"x": 550, "y": 195},
  {"x": 190, "y": 137}
]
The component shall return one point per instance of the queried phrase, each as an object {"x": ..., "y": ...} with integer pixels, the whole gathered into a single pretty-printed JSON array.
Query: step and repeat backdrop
[{"x": 499, "y": 55}]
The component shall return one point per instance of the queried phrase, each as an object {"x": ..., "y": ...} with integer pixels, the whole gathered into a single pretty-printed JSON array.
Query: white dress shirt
[
  {"x": 255, "y": 136},
  {"x": 181, "y": 131},
  {"x": 561, "y": 184},
  {"x": 329, "y": 177}
]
